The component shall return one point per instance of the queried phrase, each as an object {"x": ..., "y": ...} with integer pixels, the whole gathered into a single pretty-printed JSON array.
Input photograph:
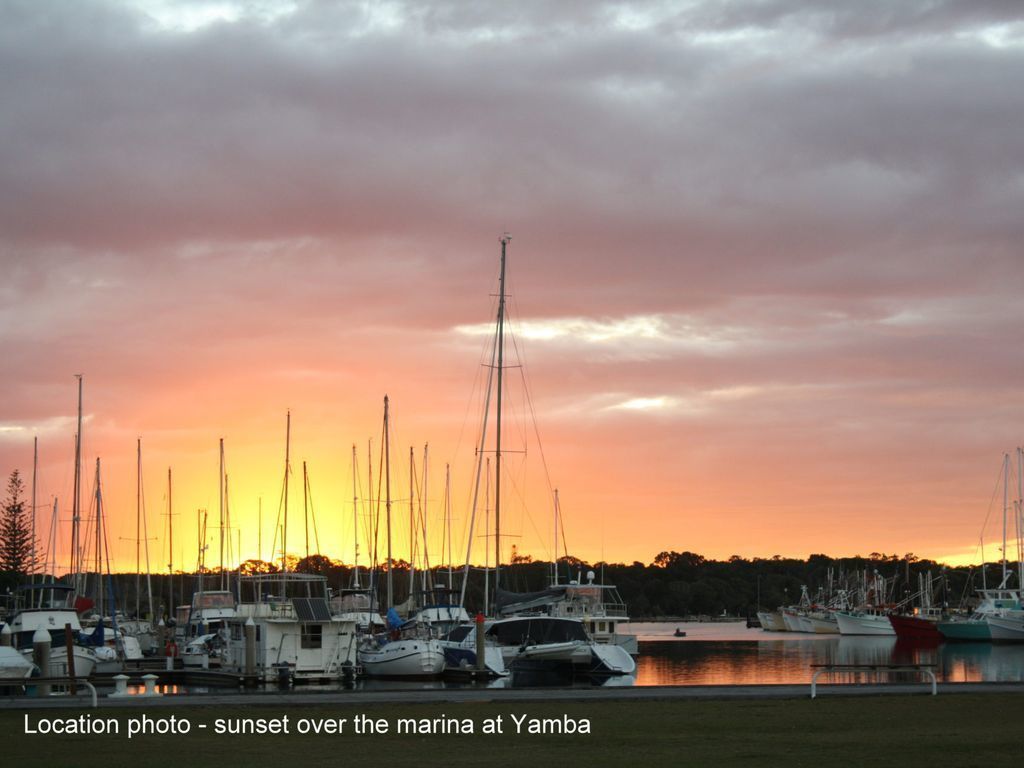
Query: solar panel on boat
[{"x": 311, "y": 608}]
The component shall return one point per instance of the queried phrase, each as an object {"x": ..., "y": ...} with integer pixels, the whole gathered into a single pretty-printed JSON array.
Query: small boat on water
[{"x": 679, "y": 633}]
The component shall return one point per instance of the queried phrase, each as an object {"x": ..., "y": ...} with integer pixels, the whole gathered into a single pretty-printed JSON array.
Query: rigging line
[{"x": 479, "y": 469}]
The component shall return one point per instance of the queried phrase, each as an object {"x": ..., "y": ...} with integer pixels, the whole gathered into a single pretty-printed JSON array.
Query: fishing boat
[
  {"x": 771, "y": 621},
  {"x": 866, "y": 621},
  {"x": 1008, "y": 628}
]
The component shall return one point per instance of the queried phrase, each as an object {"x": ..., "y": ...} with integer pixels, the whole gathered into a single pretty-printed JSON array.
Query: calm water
[{"x": 729, "y": 653}]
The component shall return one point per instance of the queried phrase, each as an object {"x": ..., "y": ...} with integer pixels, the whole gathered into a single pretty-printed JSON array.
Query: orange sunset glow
[{"x": 764, "y": 277}]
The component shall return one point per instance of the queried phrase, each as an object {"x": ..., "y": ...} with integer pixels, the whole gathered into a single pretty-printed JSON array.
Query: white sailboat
[
  {"x": 538, "y": 640},
  {"x": 406, "y": 650}
]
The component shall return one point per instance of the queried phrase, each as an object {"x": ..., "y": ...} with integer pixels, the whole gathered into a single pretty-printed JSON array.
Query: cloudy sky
[{"x": 765, "y": 271}]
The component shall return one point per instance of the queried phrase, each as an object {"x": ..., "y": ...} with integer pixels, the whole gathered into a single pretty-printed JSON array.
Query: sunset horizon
[{"x": 763, "y": 279}]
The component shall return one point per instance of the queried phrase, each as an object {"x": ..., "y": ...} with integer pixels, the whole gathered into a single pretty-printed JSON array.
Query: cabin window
[
  {"x": 312, "y": 636},
  {"x": 236, "y": 631}
]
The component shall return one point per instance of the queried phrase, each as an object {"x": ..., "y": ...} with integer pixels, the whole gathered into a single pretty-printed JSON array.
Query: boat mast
[
  {"x": 448, "y": 519},
  {"x": 220, "y": 486},
  {"x": 387, "y": 498},
  {"x": 497, "y": 448},
  {"x": 355, "y": 522},
  {"x": 1006, "y": 491},
  {"x": 99, "y": 542},
  {"x": 287, "y": 471},
  {"x": 138, "y": 525},
  {"x": 554, "y": 563},
  {"x": 170, "y": 542},
  {"x": 76, "y": 499},
  {"x": 35, "y": 469},
  {"x": 487, "y": 531}
]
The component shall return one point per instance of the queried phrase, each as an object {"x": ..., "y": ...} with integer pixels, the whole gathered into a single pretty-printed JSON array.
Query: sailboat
[
  {"x": 407, "y": 649},
  {"x": 531, "y": 640}
]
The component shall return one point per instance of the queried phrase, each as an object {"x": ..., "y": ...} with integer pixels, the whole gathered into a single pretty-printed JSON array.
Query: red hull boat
[{"x": 915, "y": 629}]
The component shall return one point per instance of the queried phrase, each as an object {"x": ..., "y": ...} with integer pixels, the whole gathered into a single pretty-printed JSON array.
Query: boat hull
[
  {"x": 914, "y": 629},
  {"x": 969, "y": 630},
  {"x": 771, "y": 621},
  {"x": 1006, "y": 629},
  {"x": 403, "y": 658},
  {"x": 864, "y": 624}
]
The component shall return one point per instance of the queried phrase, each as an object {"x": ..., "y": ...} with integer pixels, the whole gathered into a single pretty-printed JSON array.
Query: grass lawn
[{"x": 958, "y": 731}]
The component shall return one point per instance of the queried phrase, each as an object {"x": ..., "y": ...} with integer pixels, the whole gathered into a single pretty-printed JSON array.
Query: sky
[{"x": 764, "y": 273}]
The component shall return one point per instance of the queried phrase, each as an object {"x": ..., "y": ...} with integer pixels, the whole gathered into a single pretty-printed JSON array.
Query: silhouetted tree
[{"x": 16, "y": 545}]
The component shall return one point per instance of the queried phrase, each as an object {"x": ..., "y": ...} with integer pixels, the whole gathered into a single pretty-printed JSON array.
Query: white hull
[
  {"x": 1007, "y": 629},
  {"x": 823, "y": 626},
  {"x": 576, "y": 652},
  {"x": 771, "y": 621},
  {"x": 13, "y": 666},
  {"x": 85, "y": 661},
  {"x": 612, "y": 659},
  {"x": 865, "y": 624},
  {"x": 403, "y": 658},
  {"x": 792, "y": 622}
]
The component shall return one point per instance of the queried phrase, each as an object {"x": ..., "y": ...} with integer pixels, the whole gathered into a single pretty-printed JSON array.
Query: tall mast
[
  {"x": 220, "y": 486},
  {"x": 355, "y": 522},
  {"x": 35, "y": 469},
  {"x": 387, "y": 498},
  {"x": 487, "y": 530},
  {"x": 497, "y": 449},
  {"x": 412, "y": 524},
  {"x": 448, "y": 519},
  {"x": 170, "y": 541},
  {"x": 138, "y": 524},
  {"x": 99, "y": 541},
  {"x": 287, "y": 471},
  {"x": 76, "y": 499},
  {"x": 1006, "y": 497},
  {"x": 554, "y": 563}
]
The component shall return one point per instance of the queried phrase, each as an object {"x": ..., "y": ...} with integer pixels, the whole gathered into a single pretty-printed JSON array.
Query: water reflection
[{"x": 724, "y": 654}]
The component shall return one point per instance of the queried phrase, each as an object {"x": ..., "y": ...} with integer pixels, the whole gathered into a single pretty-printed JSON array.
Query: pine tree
[{"x": 16, "y": 545}]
